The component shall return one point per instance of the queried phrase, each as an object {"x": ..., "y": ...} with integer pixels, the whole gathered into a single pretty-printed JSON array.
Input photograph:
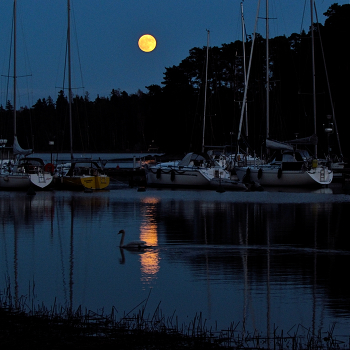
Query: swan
[{"x": 134, "y": 245}]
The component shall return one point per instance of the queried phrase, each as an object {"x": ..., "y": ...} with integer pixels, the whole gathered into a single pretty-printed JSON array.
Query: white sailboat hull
[
  {"x": 41, "y": 180},
  {"x": 273, "y": 176},
  {"x": 192, "y": 171},
  {"x": 184, "y": 177}
]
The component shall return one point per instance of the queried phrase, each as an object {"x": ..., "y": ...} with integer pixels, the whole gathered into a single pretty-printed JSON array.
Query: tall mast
[
  {"x": 205, "y": 90},
  {"x": 244, "y": 104},
  {"x": 313, "y": 68},
  {"x": 244, "y": 69},
  {"x": 267, "y": 73},
  {"x": 14, "y": 67},
  {"x": 69, "y": 83}
]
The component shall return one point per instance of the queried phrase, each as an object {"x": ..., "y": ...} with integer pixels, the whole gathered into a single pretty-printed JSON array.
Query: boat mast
[
  {"x": 205, "y": 89},
  {"x": 267, "y": 74},
  {"x": 330, "y": 92},
  {"x": 313, "y": 69},
  {"x": 245, "y": 71},
  {"x": 69, "y": 83},
  {"x": 244, "y": 104},
  {"x": 14, "y": 68}
]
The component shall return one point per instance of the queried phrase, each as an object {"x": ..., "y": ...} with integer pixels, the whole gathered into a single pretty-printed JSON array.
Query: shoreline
[{"x": 63, "y": 328}]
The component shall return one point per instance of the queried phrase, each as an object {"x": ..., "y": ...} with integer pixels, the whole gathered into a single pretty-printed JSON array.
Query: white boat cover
[
  {"x": 192, "y": 157},
  {"x": 18, "y": 150},
  {"x": 186, "y": 160},
  {"x": 278, "y": 145}
]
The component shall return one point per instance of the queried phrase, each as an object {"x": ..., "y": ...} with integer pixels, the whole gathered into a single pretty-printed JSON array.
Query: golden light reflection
[
  {"x": 149, "y": 233},
  {"x": 150, "y": 200},
  {"x": 150, "y": 259}
]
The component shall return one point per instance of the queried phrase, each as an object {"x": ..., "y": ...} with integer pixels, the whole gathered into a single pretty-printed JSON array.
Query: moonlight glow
[{"x": 147, "y": 43}]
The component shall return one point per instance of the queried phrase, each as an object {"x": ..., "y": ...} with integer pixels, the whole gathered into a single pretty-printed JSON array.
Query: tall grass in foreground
[{"x": 23, "y": 324}]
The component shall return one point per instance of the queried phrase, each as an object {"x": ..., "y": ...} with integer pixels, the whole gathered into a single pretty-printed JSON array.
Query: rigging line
[
  {"x": 302, "y": 18},
  {"x": 60, "y": 55},
  {"x": 27, "y": 65},
  {"x": 196, "y": 113},
  {"x": 66, "y": 56},
  {"x": 65, "y": 62},
  {"x": 248, "y": 73},
  {"x": 9, "y": 63},
  {"x": 244, "y": 37},
  {"x": 80, "y": 70},
  {"x": 29, "y": 91},
  {"x": 205, "y": 89},
  {"x": 328, "y": 85},
  {"x": 312, "y": 28},
  {"x": 76, "y": 41},
  {"x": 65, "y": 65}
]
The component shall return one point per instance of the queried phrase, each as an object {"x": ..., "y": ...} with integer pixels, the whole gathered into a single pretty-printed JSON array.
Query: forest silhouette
[{"x": 169, "y": 117}]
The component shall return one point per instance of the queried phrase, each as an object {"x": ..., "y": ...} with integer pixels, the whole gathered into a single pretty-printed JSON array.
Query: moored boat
[
  {"x": 194, "y": 170},
  {"x": 80, "y": 175},
  {"x": 291, "y": 166},
  {"x": 40, "y": 176},
  {"x": 19, "y": 173},
  {"x": 290, "y": 170}
]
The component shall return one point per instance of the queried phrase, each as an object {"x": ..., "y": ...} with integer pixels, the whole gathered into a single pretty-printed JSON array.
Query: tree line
[{"x": 170, "y": 116}]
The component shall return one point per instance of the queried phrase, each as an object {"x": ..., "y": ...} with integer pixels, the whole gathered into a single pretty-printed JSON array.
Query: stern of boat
[{"x": 321, "y": 175}]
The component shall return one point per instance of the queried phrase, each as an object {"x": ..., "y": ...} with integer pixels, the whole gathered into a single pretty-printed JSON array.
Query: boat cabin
[
  {"x": 289, "y": 160},
  {"x": 84, "y": 168}
]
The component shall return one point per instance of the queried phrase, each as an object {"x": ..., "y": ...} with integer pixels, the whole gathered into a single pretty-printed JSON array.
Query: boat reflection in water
[{"x": 259, "y": 260}]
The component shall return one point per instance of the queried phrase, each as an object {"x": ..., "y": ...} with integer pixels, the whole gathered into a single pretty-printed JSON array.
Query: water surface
[{"x": 260, "y": 260}]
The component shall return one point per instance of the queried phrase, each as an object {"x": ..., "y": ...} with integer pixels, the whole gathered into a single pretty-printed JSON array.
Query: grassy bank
[{"x": 24, "y": 327}]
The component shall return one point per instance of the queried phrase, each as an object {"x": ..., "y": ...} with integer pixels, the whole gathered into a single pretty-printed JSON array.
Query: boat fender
[
  {"x": 246, "y": 176},
  {"x": 49, "y": 168},
  {"x": 259, "y": 173},
  {"x": 159, "y": 171},
  {"x": 279, "y": 173},
  {"x": 172, "y": 175}
]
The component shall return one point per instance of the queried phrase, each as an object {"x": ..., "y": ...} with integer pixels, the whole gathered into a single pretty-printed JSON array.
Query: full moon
[{"x": 147, "y": 43}]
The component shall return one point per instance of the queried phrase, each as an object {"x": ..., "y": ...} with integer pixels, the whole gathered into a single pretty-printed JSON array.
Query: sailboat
[
  {"x": 195, "y": 169},
  {"x": 83, "y": 173},
  {"x": 290, "y": 166},
  {"x": 22, "y": 172},
  {"x": 335, "y": 162}
]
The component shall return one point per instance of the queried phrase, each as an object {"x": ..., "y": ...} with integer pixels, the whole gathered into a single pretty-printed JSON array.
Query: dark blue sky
[{"x": 106, "y": 33}]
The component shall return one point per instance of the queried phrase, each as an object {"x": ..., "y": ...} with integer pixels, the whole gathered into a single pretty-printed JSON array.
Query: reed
[{"x": 25, "y": 325}]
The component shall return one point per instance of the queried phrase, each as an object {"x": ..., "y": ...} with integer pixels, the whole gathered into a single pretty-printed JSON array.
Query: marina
[{"x": 205, "y": 247}]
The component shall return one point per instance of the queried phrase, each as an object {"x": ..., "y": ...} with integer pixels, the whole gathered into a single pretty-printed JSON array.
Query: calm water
[{"x": 259, "y": 259}]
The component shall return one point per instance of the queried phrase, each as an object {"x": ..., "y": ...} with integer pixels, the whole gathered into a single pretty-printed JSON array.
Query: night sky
[{"x": 105, "y": 54}]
